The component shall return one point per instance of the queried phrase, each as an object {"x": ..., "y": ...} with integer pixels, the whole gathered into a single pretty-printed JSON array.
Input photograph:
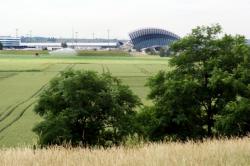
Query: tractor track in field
[
  {"x": 25, "y": 101},
  {"x": 6, "y": 109},
  {"x": 11, "y": 110},
  {"x": 78, "y": 63},
  {"x": 37, "y": 92},
  {"x": 143, "y": 70},
  {"x": 105, "y": 69},
  {"x": 3, "y": 77},
  {"x": 17, "y": 118}
]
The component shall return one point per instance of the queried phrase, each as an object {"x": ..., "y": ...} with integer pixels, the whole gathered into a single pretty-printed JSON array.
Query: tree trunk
[
  {"x": 209, "y": 107},
  {"x": 209, "y": 119}
]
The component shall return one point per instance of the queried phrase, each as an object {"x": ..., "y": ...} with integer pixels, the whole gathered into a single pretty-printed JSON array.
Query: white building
[{"x": 54, "y": 46}]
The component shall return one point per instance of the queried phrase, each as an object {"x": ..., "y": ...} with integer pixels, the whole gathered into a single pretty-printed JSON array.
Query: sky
[{"x": 59, "y": 18}]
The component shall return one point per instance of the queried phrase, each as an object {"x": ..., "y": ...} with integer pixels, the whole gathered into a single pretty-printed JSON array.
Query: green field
[
  {"x": 23, "y": 78},
  {"x": 23, "y": 52}
]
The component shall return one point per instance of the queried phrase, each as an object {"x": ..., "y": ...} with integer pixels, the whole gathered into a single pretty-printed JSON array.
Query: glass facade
[{"x": 152, "y": 37}]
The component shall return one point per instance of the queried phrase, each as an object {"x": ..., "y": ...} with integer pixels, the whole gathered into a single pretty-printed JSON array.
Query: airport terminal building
[
  {"x": 152, "y": 38},
  {"x": 142, "y": 39}
]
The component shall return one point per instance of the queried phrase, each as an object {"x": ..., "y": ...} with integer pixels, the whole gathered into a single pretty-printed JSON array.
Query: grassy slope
[
  {"x": 208, "y": 153},
  {"x": 22, "y": 78}
]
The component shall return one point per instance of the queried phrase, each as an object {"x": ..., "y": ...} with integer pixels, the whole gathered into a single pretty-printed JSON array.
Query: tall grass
[{"x": 211, "y": 153}]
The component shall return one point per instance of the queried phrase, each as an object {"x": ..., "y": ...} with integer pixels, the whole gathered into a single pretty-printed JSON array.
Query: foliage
[
  {"x": 1, "y": 46},
  {"x": 84, "y": 108},
  {"x": 234, "y": 120},
  {"x": 150, "y": 51},
  {"x": 208, "y": 74},
  {"x": 145, "y": 122},
  {"x": 164, "y": 52},
  {"x": 64, "y": 45}
]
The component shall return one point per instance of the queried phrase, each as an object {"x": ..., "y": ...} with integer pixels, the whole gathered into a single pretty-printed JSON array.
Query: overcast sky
[{"x": 58, "y": 17}]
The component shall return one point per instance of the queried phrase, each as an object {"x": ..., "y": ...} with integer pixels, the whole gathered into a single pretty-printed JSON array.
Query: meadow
[
  {"x": 24, "y": 76},
  {"x": 23, "y": 52},
  {"x": 207, "y": 153}
]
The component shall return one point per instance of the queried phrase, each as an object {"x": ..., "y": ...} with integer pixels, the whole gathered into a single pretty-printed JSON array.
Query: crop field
[{"x": 23, "y": 78}]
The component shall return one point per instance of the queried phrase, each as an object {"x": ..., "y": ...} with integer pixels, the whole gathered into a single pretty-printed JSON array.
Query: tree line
[{"x": 206, "y": 94}]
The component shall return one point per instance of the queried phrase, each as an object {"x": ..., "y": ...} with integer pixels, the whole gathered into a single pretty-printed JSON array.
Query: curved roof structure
[{"x": 152, "y": 37}]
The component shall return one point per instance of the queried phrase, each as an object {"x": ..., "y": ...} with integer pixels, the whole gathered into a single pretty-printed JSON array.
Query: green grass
[
  {"x": 103, "y": 53},
  {"x": 23, "y": 78},
  {"x": 23, "y": 52}
]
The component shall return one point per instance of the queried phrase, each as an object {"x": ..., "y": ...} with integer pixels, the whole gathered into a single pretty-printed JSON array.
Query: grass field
[
  {"x": 234, "y": 152},
  {"x": 23, "y": 52},
  {"x": 103, "y": 53},
  {"x": 23, "y": 77}
]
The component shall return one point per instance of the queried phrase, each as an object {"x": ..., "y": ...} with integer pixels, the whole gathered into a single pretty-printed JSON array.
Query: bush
[
  {"x": 146, "y": 122},
  {"x": 84, "y": 108}
]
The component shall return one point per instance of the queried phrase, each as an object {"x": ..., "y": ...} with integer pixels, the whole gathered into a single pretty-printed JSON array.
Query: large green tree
[
  {"x": 85, "y": 108},
  {"x": 210, "y": 71}
]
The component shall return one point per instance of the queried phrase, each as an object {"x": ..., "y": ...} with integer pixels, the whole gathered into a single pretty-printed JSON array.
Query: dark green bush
[{"x": 85, "y": 108}]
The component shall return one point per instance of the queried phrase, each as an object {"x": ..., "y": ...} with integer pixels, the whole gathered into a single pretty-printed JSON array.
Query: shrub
[{"x": 85, "y": 108}]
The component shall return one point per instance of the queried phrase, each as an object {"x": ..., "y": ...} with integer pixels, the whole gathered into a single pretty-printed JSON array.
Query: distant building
[
  {"x": 10, "y": 42},
  {"x": 152, "y": 38},
  {"x": 80, "y": 46}
]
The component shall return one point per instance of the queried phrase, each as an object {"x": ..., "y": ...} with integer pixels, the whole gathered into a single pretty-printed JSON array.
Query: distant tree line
[{"x": 206, "y": 94}]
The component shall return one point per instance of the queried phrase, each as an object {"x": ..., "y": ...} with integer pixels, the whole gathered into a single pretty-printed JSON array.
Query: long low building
[
  {"x": 54, "y": 46},
  {"x": 15, "y": 43}
]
